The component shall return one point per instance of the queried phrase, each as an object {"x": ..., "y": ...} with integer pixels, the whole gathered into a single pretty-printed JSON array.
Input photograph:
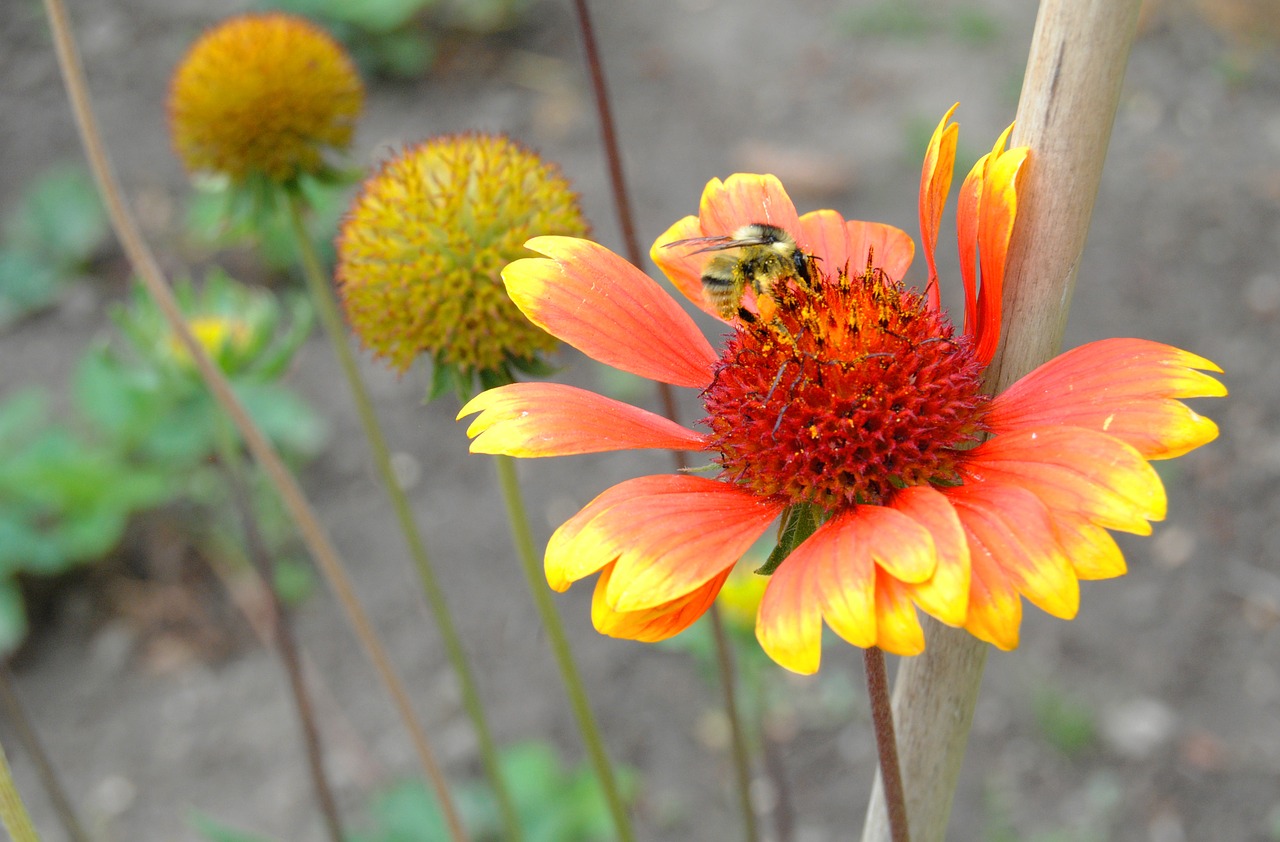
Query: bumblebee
[{"x": 765, "y": 255}]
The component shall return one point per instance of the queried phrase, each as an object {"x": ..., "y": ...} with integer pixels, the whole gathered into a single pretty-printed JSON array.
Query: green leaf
[
  {"x": 27, "y": 284},
  {"x": 216, "y": 831},
  {"x": 60, "y": 218},
  {"x": 13, "y": 616}
]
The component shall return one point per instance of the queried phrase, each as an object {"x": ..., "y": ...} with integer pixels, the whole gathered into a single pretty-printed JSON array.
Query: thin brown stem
[
  {"x": 622, "y": 207},
  {"x": 281, "y": 631},
  {"x": 304, "y": 517},
  {"x": 30, "y": 740},
  {"x": 886, "y": 743},
  {"x": 608, "y": 134}
]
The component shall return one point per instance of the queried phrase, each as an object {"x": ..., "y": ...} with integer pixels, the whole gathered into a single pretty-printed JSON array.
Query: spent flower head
[
  {"x": 846, "y": 404},
  {"x": 263, "y": 95},
  {"x": 421, "y": 252}
]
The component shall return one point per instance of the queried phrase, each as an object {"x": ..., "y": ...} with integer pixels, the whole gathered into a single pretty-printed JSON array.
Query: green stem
[
  {"x": 44, "y": 766},
  {"x": 560, "y": 644},
  {"x": 323, "y": 298},
  {"x": 13, "y": 813}
]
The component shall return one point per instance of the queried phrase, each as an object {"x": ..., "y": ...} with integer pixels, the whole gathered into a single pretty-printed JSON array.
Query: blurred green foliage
[
  {"x": 1066, "y": 723},
  {"x": 554, "y": 804},
  {"x": 48, "y": 239},
  {"x": 145, "y": 433},
  {"x": 914, "y": 20},
  {"x": 251, "y": 215}
]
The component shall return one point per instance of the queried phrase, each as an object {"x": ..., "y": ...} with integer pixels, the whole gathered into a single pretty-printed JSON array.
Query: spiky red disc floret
[{"x": 843, "y": 390}]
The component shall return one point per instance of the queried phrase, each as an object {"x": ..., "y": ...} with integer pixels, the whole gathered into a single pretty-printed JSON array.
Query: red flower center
[{"x": 842, "y": 390}]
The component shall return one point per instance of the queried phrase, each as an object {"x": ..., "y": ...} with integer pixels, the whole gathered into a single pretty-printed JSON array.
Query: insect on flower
[
  {"x": 851, "y": 402},
  {"x": 765, "y": 255}
]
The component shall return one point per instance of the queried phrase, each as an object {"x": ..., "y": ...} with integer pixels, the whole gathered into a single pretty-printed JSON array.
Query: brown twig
[
  {"x": 313, "y": 535},
  {"x": 30, "y": 740}
]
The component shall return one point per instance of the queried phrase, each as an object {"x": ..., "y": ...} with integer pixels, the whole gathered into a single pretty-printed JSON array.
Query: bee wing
[{"x": 719, "y": 243}]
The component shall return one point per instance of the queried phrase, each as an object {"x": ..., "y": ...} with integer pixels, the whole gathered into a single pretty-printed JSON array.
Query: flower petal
[
  {"x": 825, "y": 235},
  {"x": 672, "y": 535},
  {"x": 890, "y": 249},
  {"x": 551, "y": 419},
  {"x": 1127, "y": 388},
  {"x": 1013, "y": 529},
  {"x": 897, "y": 626},
  {"x": 935, "y": 183},
  {"x": 1074, "y": 470},
  {"x": 744, "y": 199},
  {"x": 1092, "y": 551},
  {"x": 832, "y": 576},
  {"x": 684, "y": 266},
  {"x": 652, "y": 624},
  {"x": 995, "y": 229},
  {"x": 945, "y": 594},
  {"x": 611, "y": 311}
]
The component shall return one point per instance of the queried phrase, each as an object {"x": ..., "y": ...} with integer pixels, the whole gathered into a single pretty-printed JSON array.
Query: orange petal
[
  {"x": 657, "y": 623},
  {"x": 897, "y": 626},
  {"x": 1094, "y": 554},
  {"x": 550, "y": 419},
  {"x": 672, "y": 535},
  {"x": 684, "y": 266},
  {"x": 744, "y": 199},
  {"x": 999, "y": 207},
  {"x": 571, "y": 552},
  {"x": 1077, "y": 471},
  {"x": 967, "y": 216},
  {"x": 1127, "y": 388},
  {"x": 611, "y": 311},
  {"x": 1013, "y": 528},
  {"x": 824, "y": 234},
  {"x": 890, "y": 248},
  {"x": 945, "y": 594},
  {"x": 832, "y": 576},
  {"x": 995, "y": 609},
  {"x": 935, "y": 183}
]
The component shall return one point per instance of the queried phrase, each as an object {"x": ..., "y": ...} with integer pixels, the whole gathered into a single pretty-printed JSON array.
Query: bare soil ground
[{"x": 1177, "y": 665}]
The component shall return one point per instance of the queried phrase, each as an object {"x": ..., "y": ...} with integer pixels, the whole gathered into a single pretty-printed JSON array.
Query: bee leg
[{"x": 746, "y": 316}]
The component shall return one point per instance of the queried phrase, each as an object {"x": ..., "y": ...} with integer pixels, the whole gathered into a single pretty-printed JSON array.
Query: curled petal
[
  {"x": 945, "y": 594},
  {"x": 611, "y": 311},
  {"x": 832, "y": 576},
  {"x": 995, "y": 230},
  {"x": 745, "y": 199},
  {"x": 668, "y": 534},
  {"x": 1127, "y": 388},
  {"x": 550, "y": 419},
  {"x": 1077, "y": 471},
  {"x": 935, "y": 183},
  {"x": 1010, "y": 529},
  {"x": 684, "y": 266},
  {"x": 652, "y": 624}
]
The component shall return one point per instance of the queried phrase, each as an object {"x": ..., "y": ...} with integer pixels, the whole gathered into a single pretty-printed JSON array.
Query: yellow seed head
[
  {"x": 421, "y": 251},
  {"x": 265, "y": 94}
]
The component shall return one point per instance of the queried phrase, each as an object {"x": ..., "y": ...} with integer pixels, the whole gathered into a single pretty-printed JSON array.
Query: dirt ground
[{"x": 1176, "y": 666}]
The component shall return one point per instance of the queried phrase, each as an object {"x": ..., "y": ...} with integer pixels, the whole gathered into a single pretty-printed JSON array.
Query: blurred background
[{"x": 1153, "y": 716}]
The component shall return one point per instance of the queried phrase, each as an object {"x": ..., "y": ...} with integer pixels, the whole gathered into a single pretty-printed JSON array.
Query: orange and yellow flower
[
  {"x": 263, "y": 94},
  {"x": 851, "y": 395}
]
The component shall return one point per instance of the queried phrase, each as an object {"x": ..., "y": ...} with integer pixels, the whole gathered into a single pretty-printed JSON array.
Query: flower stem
[
  {"x": 281, "y": 626},
  {"x": 741, "y": 760},
  {"x": 573, "y": 686},
  {"x": 323, "y": 298},
  {"x": 886, "y": 743},
  {"x": 13, "y": 813},
  {"x": 1069, "y": 97},
  {"x": 313, "y": 535},
  {"x": 17, "y": 715}
]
